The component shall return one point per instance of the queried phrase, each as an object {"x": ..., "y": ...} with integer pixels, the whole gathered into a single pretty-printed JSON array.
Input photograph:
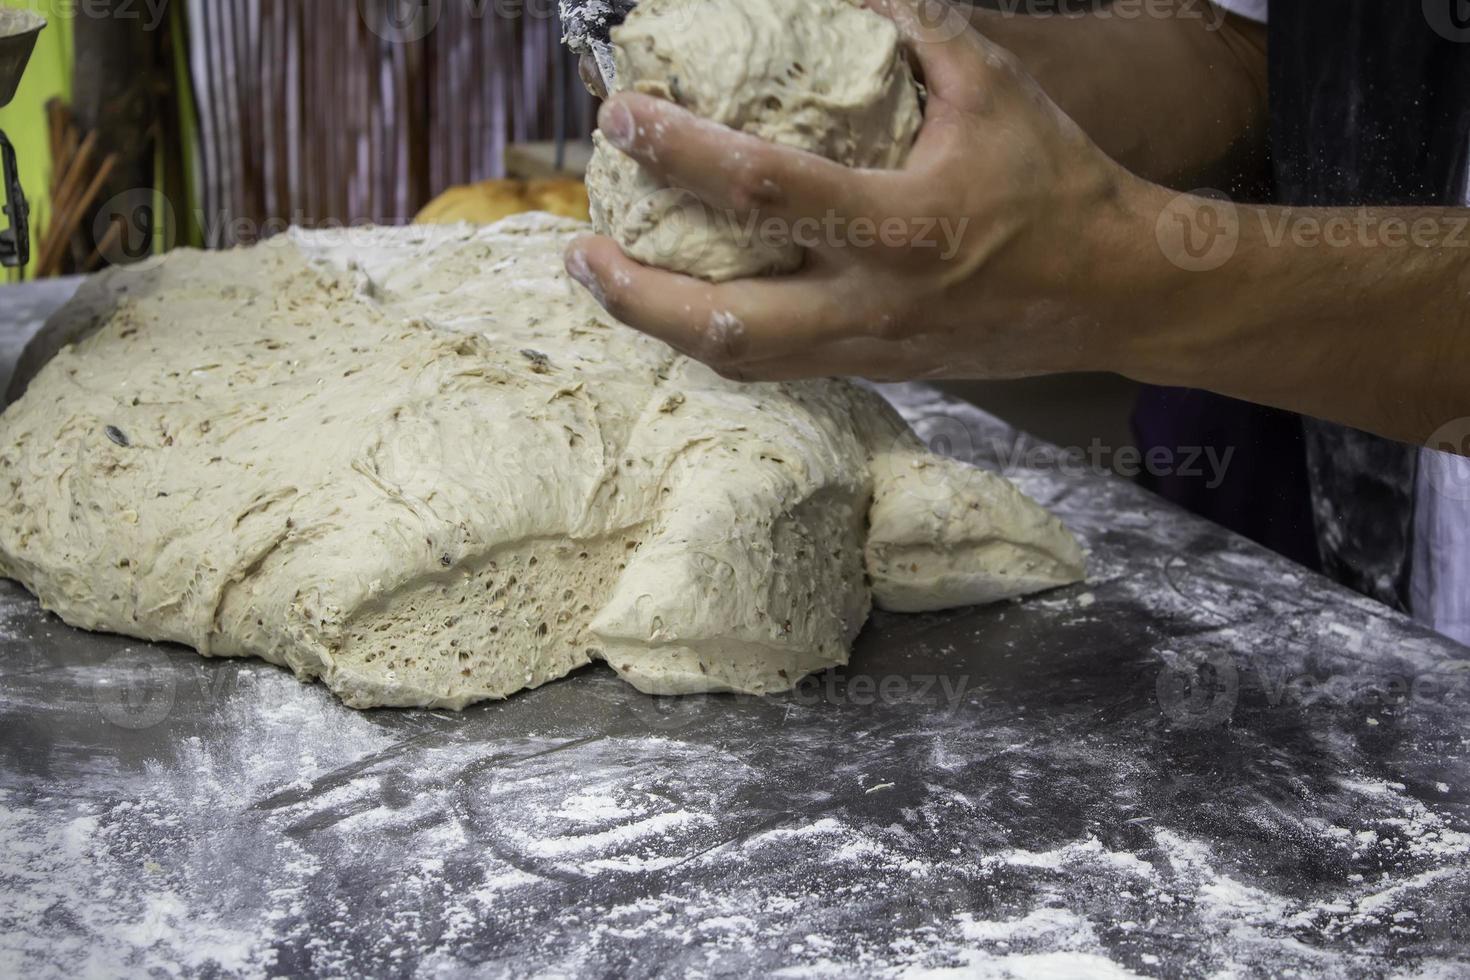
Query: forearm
[
  {"x": 1060, "y": 259},
  {"x": 1175, "y": 92},
  {"x": 1355, "y": 315}
]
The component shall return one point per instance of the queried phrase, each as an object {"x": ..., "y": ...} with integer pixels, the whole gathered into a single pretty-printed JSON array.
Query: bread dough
[
  {"x": 826, "y": 76},
  {"x": 422, "y": 465}
]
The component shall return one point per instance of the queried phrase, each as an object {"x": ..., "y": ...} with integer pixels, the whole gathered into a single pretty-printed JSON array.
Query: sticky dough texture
[
  {"x": 423, "y": 466},
  {"x": 826, "y": 76}
]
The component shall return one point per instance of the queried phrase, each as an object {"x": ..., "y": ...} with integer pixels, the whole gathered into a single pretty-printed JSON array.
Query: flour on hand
[{"x": 424, "y": 466}]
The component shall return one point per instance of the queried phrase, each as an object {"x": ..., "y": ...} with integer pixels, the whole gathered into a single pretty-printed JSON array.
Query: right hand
[{"x": 1030, "y": 276}]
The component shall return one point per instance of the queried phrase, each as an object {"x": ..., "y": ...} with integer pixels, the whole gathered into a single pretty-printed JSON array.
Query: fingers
[
  {"x": 728, "y": 169},
  {"x": 725, "y": 325},
  {"x": 743, "y": 173}
]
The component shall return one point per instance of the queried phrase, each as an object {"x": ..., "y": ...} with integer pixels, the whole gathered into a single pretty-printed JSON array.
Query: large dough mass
[
  {"x": 422, "y": 465},
  {"x": 825, "y": 76}
]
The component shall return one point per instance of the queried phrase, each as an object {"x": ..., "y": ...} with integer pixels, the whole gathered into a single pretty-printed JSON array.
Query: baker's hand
[{"x": 987, "y": 255}]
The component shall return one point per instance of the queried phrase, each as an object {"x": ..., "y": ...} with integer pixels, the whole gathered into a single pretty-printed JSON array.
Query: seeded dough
[
  {"x": 826, "y": 76},
  {"x": 422, "y": 465}
]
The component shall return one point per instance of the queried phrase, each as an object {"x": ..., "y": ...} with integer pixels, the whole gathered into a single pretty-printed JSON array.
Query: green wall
[{"x": 24, "y": 120}]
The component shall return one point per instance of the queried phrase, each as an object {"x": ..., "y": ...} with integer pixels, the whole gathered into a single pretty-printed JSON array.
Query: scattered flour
[{"x": 275, "y": 833}]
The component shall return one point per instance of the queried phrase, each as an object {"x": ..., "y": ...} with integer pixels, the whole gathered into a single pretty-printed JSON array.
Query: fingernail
[
  {"x": 617, "y": 124},
  {"x": 579, "y": 270}
]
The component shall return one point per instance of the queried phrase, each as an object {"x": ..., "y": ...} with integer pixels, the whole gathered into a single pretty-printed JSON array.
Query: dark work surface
[{"x": 1205, "y": 759}]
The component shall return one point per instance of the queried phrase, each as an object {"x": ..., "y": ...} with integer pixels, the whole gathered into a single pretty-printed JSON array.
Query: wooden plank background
[{"x": 318, "y": 111}]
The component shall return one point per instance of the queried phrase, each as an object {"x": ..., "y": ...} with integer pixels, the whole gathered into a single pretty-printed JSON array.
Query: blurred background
[
  {"x": 246, "y": 115},
  {"x": 144, "y": 125}
]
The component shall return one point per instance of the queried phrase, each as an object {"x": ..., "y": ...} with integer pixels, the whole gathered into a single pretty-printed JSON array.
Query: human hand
[{"x": 989, "y": 254}]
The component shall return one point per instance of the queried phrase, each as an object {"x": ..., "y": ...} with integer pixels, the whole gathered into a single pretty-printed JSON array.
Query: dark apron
[{"x": 1370, "y": 104}]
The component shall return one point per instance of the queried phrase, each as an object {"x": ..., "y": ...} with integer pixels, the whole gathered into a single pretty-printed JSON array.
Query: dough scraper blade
[{"x": 587, "y": 27}]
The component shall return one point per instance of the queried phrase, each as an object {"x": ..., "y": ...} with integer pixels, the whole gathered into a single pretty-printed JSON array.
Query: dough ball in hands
[{"x": 825, "y": 76}]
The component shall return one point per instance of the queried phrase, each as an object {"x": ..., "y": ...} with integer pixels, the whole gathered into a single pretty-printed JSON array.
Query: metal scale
[{"x": 18, "y": 32}]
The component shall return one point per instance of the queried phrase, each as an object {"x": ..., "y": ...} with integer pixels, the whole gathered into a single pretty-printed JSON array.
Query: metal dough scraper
[{"x": 586, "y": 29}]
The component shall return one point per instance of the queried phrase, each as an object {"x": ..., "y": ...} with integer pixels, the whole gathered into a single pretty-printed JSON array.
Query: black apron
[{"x": 1370, "y": 104}]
